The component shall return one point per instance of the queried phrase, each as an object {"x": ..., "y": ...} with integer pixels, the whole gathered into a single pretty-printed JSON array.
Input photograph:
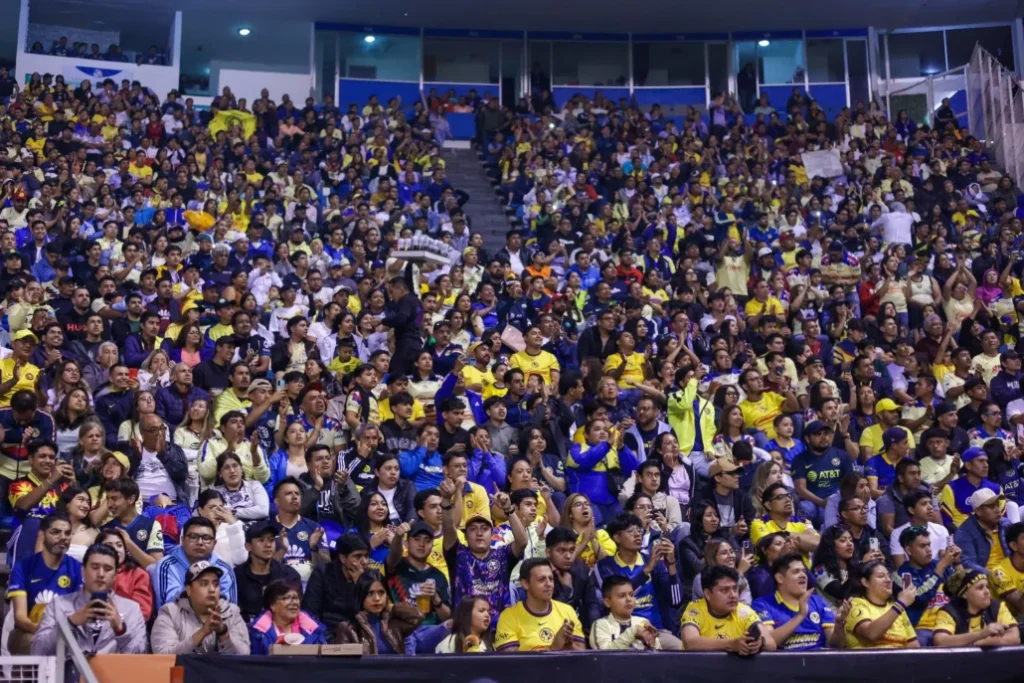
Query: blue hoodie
[
  {"x": 169, "y": 577},
  {"x": 588, "y": 465},
  {"x": 423, "y": 468}
]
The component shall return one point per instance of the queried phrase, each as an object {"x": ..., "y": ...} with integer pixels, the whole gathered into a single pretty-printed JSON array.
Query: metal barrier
[
  {"x": 31, "y": 670},
  {"x": 995, "y": 108}
]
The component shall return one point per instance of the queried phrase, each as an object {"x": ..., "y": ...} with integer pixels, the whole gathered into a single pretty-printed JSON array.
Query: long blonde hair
[
  {"x": 207, "y": 429},
  {"x": 760, "y": 484}
]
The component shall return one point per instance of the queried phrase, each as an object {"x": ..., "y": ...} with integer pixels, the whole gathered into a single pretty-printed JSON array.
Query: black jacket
[
  {"x": 404, "y": 318},
  {"x": 404, "y": 498},
  {"x": 250, "y": 586},
  {"x": 330, "y": 597},
  {"x": 589, "y": 345},
  {"x": 741, "y": 504}
]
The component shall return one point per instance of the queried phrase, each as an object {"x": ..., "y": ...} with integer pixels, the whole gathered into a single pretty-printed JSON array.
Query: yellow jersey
[
  {"x": 900, "y": 633},
  {"x": 732, "y": 625},
  {"x": 770, "y": 307},
  {"x": 474, "y": 503},
  {"x": 28, "y": 374},
  {"x": 542, "y": 364},
  {"x": 872, "y": 437},
  {"x": 945, "y": 622},
  {"x": 472, "y": 376},
  {"x": 761, "y": 415},
  {"x": 1005, "y": 578},
  {"x": 520, "y": 629},
  {"x": 634, "y": 367}
]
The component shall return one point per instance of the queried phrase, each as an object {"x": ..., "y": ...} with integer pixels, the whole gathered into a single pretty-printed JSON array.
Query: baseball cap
[
  {"x": 199, "y": 568},
  {"x": 893, "y": 435},
  {"x": 815, "y": 427},
  {"x": 983, "y": 496},
  {"x": 473, "y": 347},
  {"x": 261, "y": 384},
  {"x": 764, "y": 251},
  {"x": 25, "y": 335},
  {"x": 259, "y": 529},
  {"x": 477, "y": 516},
  {"x": 972, "y": 453},
  {"x": 944, "y": 407},
  {"x": 11, "y": 253},
  {"x": 422, "y": 527},
  {"x": 119, "y": 457},
  {"x": 722, "y": 465},
  {"x": 886, "y": 404}
]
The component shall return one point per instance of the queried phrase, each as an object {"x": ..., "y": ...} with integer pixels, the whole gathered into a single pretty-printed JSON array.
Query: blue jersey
[
  {"x": 40, "y": 584},
  {"x": 643, "y": 586},
  {"x": 810, "y": 633},
  {"x": 300, "y": 552},
  {"x": 881, "y": 469}
]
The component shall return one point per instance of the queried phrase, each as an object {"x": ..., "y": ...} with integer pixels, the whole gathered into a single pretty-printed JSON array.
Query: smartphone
[
  {"x": 98, "y": 597},
  {"x": 280, "y": 384},
  {"x": 133, "y": 373},
  {"x": 754, "y": 632},
  {"x": 873, "y": 543},
  {"x": 748, "y": 547},
  {"x": 655, "y": 538},
  {"x": 907, "y": 581}
]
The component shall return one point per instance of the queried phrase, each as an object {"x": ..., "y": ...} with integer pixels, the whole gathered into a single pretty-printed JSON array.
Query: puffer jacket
[
  {"x": 177, "y": 622},
  {"x": 263, "y": 634},
  {"x": 590, "y": 466}
]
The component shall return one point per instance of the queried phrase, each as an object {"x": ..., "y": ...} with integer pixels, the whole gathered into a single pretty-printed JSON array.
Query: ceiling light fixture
[
  {"x": 369, "y": 39},
  {"x": 244, "y": 32},
  {"x": 764, "y": 43}
]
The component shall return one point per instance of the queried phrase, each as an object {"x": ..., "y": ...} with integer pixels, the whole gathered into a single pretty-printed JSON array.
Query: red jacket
[{"x": 135, "y": 585}]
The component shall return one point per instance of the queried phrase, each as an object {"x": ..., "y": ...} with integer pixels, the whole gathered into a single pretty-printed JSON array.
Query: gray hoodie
[{"x": 177, "y": 622}]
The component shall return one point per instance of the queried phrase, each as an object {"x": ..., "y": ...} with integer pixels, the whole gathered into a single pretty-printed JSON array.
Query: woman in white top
[
  {"x": 246, "y": 499},
  {"x": 423, "y": 383},
  {"x": 76, "y": 504},
  {"x": 471, "y": 628},
  {"x": 195, "y": 429},
  {"x": 69, "y": 418},
  {"x": 155, "y": 371},
  {"x": 230, "y": 544}
]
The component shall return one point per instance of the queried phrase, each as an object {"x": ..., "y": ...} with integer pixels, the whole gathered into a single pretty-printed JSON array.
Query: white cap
[{"x": 981, "y": 497}]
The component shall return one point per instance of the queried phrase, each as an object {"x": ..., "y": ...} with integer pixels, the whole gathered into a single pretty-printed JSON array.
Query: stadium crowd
[{"x": 700, "y": 400}]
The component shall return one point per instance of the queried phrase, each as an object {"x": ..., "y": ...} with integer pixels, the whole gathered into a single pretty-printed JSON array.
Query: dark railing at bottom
[{"x": 931, "y": 665}]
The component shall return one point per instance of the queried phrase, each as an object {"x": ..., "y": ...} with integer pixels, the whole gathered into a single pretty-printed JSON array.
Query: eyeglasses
[
  {"x": 643, "y": 507},
  {"x": 290, "y": 597},
  {"x": 580, "y": 504},
  {"x": 781, "y": 497},
  {"x": 200, "y": 538}
]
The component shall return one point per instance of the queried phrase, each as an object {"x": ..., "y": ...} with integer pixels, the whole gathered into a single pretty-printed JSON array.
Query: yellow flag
[{"x": 225, "y": 120}]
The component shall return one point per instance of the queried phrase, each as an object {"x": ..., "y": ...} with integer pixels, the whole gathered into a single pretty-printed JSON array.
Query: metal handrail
[{"x": 68, "y": 645}]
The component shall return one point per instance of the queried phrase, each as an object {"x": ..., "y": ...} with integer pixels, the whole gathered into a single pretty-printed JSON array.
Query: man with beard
[
  {"x": 252, "y": 349},
  {"x": 818, "y": 470},
  {"x": 538, "y": 622},
  {"x": 778, "y": 502},
  {"x": 236, "y": 396},
  {"x": 39, "y": 578}
]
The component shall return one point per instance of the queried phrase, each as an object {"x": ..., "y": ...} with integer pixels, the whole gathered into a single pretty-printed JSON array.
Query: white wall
[
  {"x": 248, "y": 84},
  {"x": 161, "y": 79}
]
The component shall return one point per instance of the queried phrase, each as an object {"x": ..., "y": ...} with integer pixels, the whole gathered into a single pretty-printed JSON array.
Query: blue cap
[
  {"x": 972, "y": 453},
  {"x": 893, "y": 435},
  {"x": 815, "y": 427}
]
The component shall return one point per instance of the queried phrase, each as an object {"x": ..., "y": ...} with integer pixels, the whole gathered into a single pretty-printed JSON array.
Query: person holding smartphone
[
  {"x": 103, "y": 623},
  {"x": 719, "y": 621}
]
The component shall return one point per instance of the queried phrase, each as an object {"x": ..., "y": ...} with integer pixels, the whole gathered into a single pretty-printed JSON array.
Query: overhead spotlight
[
  {"x": 369, "y": 39},
  {"x": 764, "y": 43},
  {"x": 244, "y": 32}
]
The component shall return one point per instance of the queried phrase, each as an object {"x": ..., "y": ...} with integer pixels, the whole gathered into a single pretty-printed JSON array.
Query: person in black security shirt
[
  {"x": 212, "y": 375},
  {"x": 260, "y": 569},
  {"x": 405, "y": 319}
]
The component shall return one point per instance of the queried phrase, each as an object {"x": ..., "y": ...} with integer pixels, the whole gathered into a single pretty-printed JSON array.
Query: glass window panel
[
  {"x": 996, "y": 39},
  {"x": 916, "y": 54},
  {"x": 591, "y": 64},
  {"x": 718, "y": 67},
  {"x": 857, "y": 55},
  {"x": 386, "y": 58},
  {"x": 540, "y": 66},
  {"x": 666, "y": 64},
  {"x": 825, "y": 61},
  {"x": 456, "y": 60},
  {"x": 781, "y": 61}
]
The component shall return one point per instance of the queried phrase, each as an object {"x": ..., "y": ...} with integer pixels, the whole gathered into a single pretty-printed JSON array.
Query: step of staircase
[{"x": 466, "y": 172}]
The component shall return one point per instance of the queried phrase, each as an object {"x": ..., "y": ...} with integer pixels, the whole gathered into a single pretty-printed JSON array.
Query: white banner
[{"x": 826, "y": 164}]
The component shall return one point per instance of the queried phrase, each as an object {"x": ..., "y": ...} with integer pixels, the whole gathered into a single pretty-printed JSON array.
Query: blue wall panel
[
  {"x": 463, "y": 126},
  {"x": 351, "y": 91},
  {"x": 461, "y": 89},
  {"x": 668, "y": 97},
  {"x": 831, "y": 98},
  {"x": 778, "y": 95},
  {"x": 562, "y": 93}
]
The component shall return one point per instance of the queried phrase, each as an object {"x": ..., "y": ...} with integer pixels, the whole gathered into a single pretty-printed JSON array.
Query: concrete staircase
[{"x": 466, "y": 171}]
